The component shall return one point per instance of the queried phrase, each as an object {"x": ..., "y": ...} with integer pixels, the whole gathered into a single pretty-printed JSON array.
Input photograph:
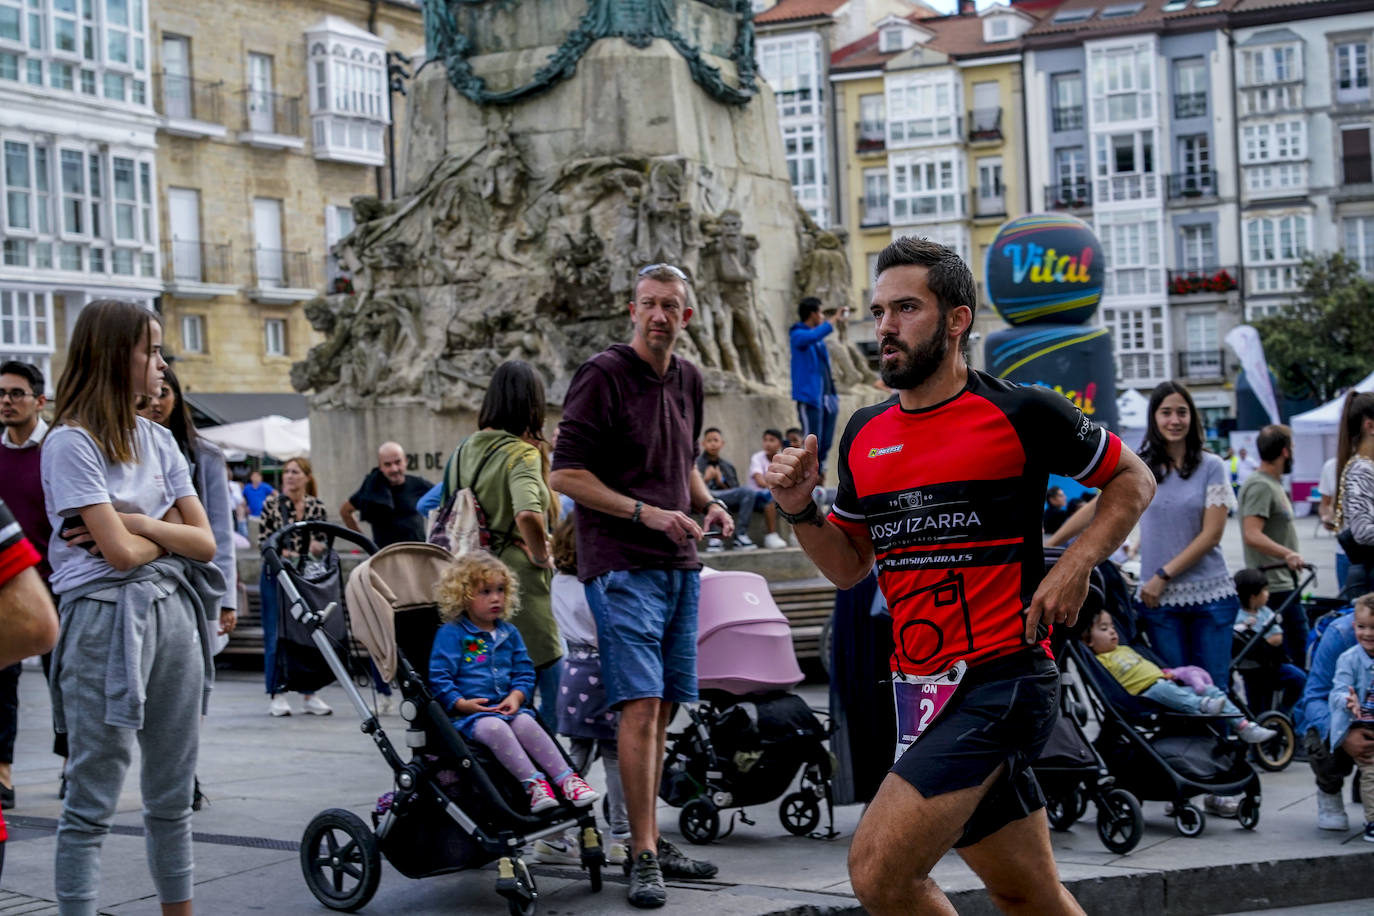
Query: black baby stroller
[
  {"x": 1069, "y": 769},
  {"x": 1155, "y": 753},
  {"x": 452, "y": 808},
  {"x": 747, "y": 739}
]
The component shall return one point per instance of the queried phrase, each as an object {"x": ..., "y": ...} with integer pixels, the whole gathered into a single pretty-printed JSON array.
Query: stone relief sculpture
[{"x": 824, "y": 273}]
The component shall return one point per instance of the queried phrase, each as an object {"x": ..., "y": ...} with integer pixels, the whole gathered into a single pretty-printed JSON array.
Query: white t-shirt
[
  {"x": 1327, "y": 487},
  {"x": 758, "y": 464},
  {"x": 570, "y": 609},
  {"x": 76, "y": 474}
]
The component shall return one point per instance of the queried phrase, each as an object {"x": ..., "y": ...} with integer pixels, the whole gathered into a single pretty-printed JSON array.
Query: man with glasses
[
  {"x": 21, "y": 488},
  {"x": 626, "y": 448}
]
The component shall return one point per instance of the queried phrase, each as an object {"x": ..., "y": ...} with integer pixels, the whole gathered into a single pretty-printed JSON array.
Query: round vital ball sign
[{"x": 1045, "y": 268}]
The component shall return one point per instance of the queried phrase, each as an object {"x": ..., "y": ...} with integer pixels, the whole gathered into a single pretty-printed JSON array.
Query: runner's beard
[{"x": 920, "y": 361}]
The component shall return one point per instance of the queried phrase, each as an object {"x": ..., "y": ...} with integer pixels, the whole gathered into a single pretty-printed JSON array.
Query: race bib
[{"x": 920, "y": 700}]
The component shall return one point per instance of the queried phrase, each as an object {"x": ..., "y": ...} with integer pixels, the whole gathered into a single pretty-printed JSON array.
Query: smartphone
[{"x": 72, "y": 522}]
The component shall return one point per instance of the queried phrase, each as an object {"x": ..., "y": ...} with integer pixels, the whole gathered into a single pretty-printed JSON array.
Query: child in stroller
[
  {"x": 479, "y": 656},
  {"x": 1265, "y": 669},
  {"x": 1142, "y": 677}
]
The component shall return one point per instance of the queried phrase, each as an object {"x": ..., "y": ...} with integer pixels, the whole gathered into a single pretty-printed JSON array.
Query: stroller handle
[
  {"x": 271, "y": 548},
  {"x": 1308, "y": 567}
]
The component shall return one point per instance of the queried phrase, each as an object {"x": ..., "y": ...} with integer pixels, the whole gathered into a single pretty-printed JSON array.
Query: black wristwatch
[
  {"x": 811, "y": 515},
  {"x": 1162, "y": 574}
]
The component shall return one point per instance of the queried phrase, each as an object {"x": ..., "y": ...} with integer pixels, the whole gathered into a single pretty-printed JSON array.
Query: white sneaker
[
  {"x": 314, "y": 706},
  {"x": 617, "y": 853},
  {"x": 1221, "y": 805},
  {"x": 714, "y": 545},
  {"x": 556, "y": 850},
  {"x": 772, "y": 541},
  {"x": 1254, "y": 733},
  {"x": 1331, "y": 811},
  {"x": 385, "y": 706},
  {"x": 1211, "y": 706},
  {"x": 279, "y": 706}
]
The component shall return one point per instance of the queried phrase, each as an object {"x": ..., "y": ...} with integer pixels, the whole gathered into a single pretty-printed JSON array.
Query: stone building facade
[{"x": 272, "y": 116}]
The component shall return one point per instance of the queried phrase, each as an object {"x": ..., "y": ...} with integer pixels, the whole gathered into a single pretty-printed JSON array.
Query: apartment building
[
  {"x": 271, "y": 117},
  {"x": 794, "y": 40},
  {"x": 929, "y": 129},
  {"x": 1133, "y": 105},
  {"x": 78, "y": 135}
]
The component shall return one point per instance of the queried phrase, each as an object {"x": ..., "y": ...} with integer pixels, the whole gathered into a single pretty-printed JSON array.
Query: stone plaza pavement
[{"x": 267, "y": 777}]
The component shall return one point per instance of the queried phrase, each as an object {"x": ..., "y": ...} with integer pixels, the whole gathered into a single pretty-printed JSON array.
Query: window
[
  {"x": 1122, "y": 10},
  {"x": 792, "y": 66},
  {"x": 192, "y": 333},
  {"x": 892, "y": 38},
  {"x": 274, "y": 334},
  {"x": 1270, "y": 65},
  {"x": 1358, "y": 232},
  {"x": 1122, "y": 83},
  {"x": 872, "y": 121},
  {"x": 1190, "y": 88},
  {"x": 338, "y": 223},
  {"x": 927, "y": 187},
  {"x": 1194, "y": 154},
  {"x": 997, "y": 28},
  {"x": 1066, "y": 90},
  {"x": 1355, "y": 163},
  {"x": 18, "y": 187},
  {"x": 1138, "y": 335},
  {"x": 922, "y": 109},
  {"x": 1352, "y": 71},
  {"x": 875, "y": 198},
  {"x": 1125, "y": 166},
  {"x": 1131, "y": 246},
  {"x": 25, "y": 320},
  {"x": 1198, "y": 247},
  {"x": 261, "y": 100},
  {"x": 1202, "y": 357},
  {"x": 1276, "y": 245},
  {"x": 42, "y": 40},
  {"x": 990, "y": 199},
  {"x": 1077, "y": 15},
  {"x": 347, "y": 94},
  {"x": 804, "y": 149}
]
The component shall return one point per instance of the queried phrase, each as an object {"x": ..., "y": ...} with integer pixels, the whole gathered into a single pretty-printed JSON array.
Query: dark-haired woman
[
  {"x": 1188, "y": 595},
  {"x": 1355, "y": 495},
  {"x": 507, "y": 469},
  {"x": 131, "y": 556},
  {"x": 209, "y": 475}
]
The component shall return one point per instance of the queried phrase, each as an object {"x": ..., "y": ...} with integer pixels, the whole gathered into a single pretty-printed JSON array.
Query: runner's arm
[{"x": 844, "y": 557}]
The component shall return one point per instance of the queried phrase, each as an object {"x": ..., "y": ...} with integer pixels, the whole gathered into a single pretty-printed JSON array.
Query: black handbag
[{"x": 1363, "y": 554}]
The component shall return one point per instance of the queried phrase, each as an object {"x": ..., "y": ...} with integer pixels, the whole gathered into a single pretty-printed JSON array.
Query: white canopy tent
[
  {"x": 273, "y": 436},
  {"x": 1315, "y": 433}
]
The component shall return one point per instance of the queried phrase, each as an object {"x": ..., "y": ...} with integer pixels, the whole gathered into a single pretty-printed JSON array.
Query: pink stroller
[{"x": 749, "y": 736}]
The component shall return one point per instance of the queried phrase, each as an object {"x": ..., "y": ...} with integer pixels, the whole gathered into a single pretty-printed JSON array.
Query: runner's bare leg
[{"x": 1017, "y": 867}]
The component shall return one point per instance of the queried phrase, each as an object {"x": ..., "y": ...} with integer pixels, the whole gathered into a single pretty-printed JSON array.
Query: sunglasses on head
[{"x": 675, "y": 271}]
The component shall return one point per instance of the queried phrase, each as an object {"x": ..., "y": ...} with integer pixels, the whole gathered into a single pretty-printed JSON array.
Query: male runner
[{"x": 944, "y": 484}]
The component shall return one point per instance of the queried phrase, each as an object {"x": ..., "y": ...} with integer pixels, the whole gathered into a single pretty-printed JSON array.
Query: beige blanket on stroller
[{"x": 395, "y": 578}]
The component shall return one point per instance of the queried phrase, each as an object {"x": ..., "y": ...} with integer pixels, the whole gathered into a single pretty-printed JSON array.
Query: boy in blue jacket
[
  {"x": 1352, "y": 699},
  {"x": 813, "y": 388}
]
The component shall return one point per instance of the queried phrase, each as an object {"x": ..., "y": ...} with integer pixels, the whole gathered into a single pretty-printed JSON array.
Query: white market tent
[
  {"x": 272, "y": 436},
  {"x": 1315, "y": 433}
]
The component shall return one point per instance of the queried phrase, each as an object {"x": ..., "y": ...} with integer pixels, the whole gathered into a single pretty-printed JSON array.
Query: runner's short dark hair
[
  {"x": 28, "y": 370},
  {"x": 808, "y": 307},
  {"x": 949, "y": 279}
]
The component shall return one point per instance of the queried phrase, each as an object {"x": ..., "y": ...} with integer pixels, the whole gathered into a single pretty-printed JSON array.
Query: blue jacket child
[
  {"x": 468, "y": 662},
  {"x": 1353, "y": 669}
]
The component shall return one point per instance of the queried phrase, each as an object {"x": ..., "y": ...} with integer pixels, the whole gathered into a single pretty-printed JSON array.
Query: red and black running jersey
[{"x": 952, "y": 497}]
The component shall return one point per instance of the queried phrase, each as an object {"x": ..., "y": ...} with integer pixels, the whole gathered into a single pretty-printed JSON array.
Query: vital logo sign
[
  {"x": 1046, "y": 265},
  {"x": 1083, "y": 400}
]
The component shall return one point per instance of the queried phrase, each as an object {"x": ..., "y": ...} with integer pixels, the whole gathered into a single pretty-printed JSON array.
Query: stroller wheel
[
  {"x": 516, "y": 884},
  {"x": 1249, "y": 812},
  {"x": 1276, "y": 753},
  {"x": 1189, "y": 820},
  {"x": 1120, "y": 823},
  {"x": 1064, "y": 810},
  {"x": 340, "y": 861},
  {"x": 799, "y": 813},
  {"x": 699, "y": 821}
]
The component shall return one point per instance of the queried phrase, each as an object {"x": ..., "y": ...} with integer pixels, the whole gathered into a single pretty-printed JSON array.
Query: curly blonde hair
[{"x": 462, "y": 580}]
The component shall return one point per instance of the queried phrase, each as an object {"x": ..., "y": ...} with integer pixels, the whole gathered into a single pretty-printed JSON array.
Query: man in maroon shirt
[
  {"x": 21, "y": 487},
  {"x": 942, "y": 485},
  {"x": 626, "y": 446}
]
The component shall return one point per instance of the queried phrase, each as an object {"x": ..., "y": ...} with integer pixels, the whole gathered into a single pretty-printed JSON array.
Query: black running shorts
[{"x": 1003, "y": 712}]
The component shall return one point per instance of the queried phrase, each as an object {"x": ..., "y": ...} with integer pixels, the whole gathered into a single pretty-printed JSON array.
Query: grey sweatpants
[{"x": 172, "y": 668}]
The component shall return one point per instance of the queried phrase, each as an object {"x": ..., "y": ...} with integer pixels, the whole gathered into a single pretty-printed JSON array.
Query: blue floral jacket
[
  {"x": 1353, "y": 669},
  {"x": 467, "y": 662}
]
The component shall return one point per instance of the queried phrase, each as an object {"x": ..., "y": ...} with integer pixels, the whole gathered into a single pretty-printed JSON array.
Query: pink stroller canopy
[{"x": 744, "y": 643}]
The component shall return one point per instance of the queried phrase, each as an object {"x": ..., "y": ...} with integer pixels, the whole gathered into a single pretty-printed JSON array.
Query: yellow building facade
[{"x": 274, "y": 114}]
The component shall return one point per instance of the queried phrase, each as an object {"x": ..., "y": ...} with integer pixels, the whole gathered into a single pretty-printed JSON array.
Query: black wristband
[
  {"x": 1162, "y": 574},
  {"x": 811, "y": 515},
  {"x": 639, "y": 507}
]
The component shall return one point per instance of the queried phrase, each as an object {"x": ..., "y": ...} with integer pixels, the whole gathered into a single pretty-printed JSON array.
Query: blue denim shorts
[{"x": 646, "y": 629}]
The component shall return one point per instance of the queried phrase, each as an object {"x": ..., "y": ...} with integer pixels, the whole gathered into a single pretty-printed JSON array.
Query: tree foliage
[{"x": 1323, "y": 341}]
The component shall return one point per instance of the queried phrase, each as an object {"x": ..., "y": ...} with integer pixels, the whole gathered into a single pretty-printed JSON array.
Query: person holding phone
[{"x": 140, "y": 599}]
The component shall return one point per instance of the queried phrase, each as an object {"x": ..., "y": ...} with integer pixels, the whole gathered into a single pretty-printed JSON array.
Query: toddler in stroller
[
  {"x": 453, "y": 805},
  {"x": 479, "y": 656},
  {"x": 747, "y": 739}
]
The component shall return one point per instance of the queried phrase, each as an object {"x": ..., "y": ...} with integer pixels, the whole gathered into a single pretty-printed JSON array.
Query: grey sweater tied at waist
[{"x": 197, "y": 585}]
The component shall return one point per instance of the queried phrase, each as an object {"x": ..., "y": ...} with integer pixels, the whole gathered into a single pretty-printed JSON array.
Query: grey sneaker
[
  {"x": 1331, "y": 811},
  {"x": 646, "y": 882},
  {"x": 745, "y": 542},
  {"x": 676, "y": 865}
]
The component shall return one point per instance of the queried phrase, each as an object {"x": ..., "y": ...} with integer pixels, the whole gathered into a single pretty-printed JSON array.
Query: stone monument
[{"x": 553, "y": 148}]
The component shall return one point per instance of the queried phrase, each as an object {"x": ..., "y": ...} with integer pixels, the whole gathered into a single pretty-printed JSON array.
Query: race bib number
[{"x": 920, "y": 700}]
